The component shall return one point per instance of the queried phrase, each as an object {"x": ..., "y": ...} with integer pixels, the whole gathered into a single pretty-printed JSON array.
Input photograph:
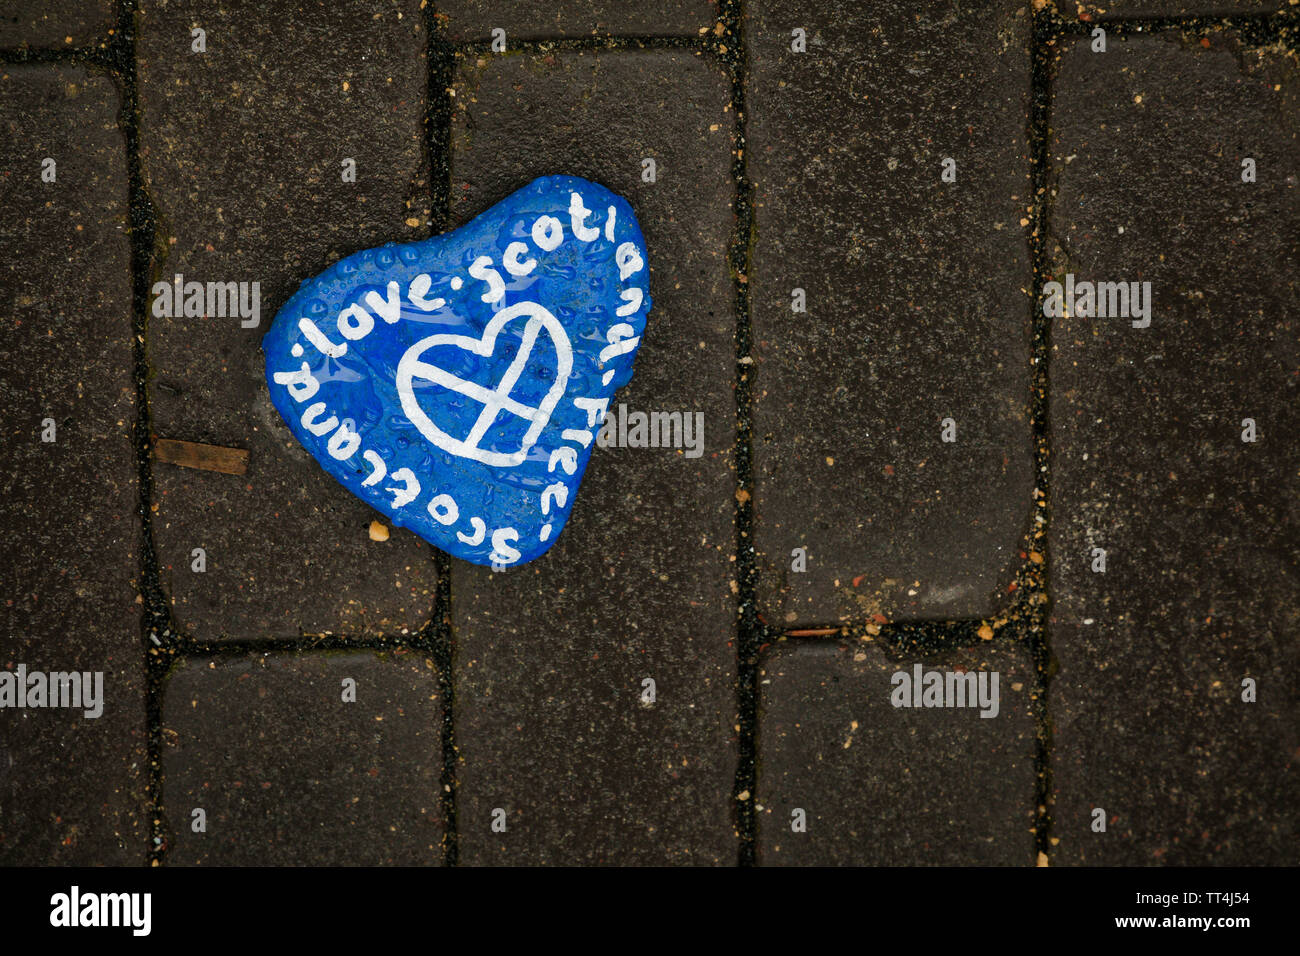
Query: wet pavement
[{"x": 984, "y": 550}]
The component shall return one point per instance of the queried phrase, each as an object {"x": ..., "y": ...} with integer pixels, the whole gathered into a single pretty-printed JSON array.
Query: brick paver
[
  {"x": 243, "y": 149},
  {"x": 71, "y": 787},
  {"x": 551, "y": 657},
  {"x": 56, "y": 24},
  {"x": 1200, "y": 588},
  {"x": 476, "y": 19},
  {"x": 887, "y": 786},
  {"x": 917, "y": 308},
  {"x": 287, "y": 772},
  {"x": 1112, "y": 9}
]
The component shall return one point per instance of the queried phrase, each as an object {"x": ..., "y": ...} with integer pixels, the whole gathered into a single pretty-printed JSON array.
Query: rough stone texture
[
  {"x": 916, "y": 308},
  {"x": 55, "y": 24},
  {"x": 70, "y": 787},
  {"x": 290, "y": 774},
  {"x": 1201, "y": 587},
  {"x": 242, "y": 149},
  {"x": 544, "y": 19},
  {"x": 551, "y": 656},
  {"x": 892, "y": 786},
  {"x": 1171, "y": 8}
]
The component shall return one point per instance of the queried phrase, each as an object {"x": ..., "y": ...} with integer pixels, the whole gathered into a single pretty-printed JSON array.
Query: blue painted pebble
[{"x": 458, "y": 384}]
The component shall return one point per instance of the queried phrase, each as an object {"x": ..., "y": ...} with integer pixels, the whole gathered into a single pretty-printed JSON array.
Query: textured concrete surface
[
  {"x": 551, "y": 657},
  {"x": 242, "y": 150},
  {"x": 916, "y": 309},
  {"x": 882, "y": 785},
  {"x": 71, "y": 787},
  {"x": 287, "y": 772},
  {"x": 1201, "y": 587}
]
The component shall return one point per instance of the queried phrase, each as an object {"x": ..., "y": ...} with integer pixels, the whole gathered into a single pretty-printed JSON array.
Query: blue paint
[{"x": 457, "y": 384}]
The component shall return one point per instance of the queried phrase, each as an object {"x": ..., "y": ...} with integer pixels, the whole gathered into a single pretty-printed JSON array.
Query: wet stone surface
[
  {"x": 546, "y": 19},
  {"x": 879, "y": 785},
  {"x": 55, "y": 24},
  {"x": 1199, "y": 528},
  {"x": 289, "y": 772},
  {"x": 71, "y": 787},
  {"x": 915, "y": 309},
  {"x": 1170, "y": 8}
]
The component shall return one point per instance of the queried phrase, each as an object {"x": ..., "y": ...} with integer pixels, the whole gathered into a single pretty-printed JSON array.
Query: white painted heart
[{"x": 494, "y": 400}]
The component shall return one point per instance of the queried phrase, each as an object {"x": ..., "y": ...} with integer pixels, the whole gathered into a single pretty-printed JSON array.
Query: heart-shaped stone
[{"x": 458, "y": 384}]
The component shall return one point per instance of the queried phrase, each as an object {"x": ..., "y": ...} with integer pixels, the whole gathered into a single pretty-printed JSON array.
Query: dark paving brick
[
  {"x": 917, "y": 308},
  {"x": 544, "y": 19},
  {"x": 885, "y": 786},
  {"x": 70, "y": 787},
  {"x": 55, "y": 24},
  {"x": 242, "y": 149},
  {"x": 551, "y": 656},
  {"x": 289, "y": 774},
  {"x": 1201, "y": 588},
  {"x": 1169, "y": 8}
]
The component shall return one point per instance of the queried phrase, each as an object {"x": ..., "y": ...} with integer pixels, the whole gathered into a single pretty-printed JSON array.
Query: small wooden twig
[{"x": 189, "y": 454}]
